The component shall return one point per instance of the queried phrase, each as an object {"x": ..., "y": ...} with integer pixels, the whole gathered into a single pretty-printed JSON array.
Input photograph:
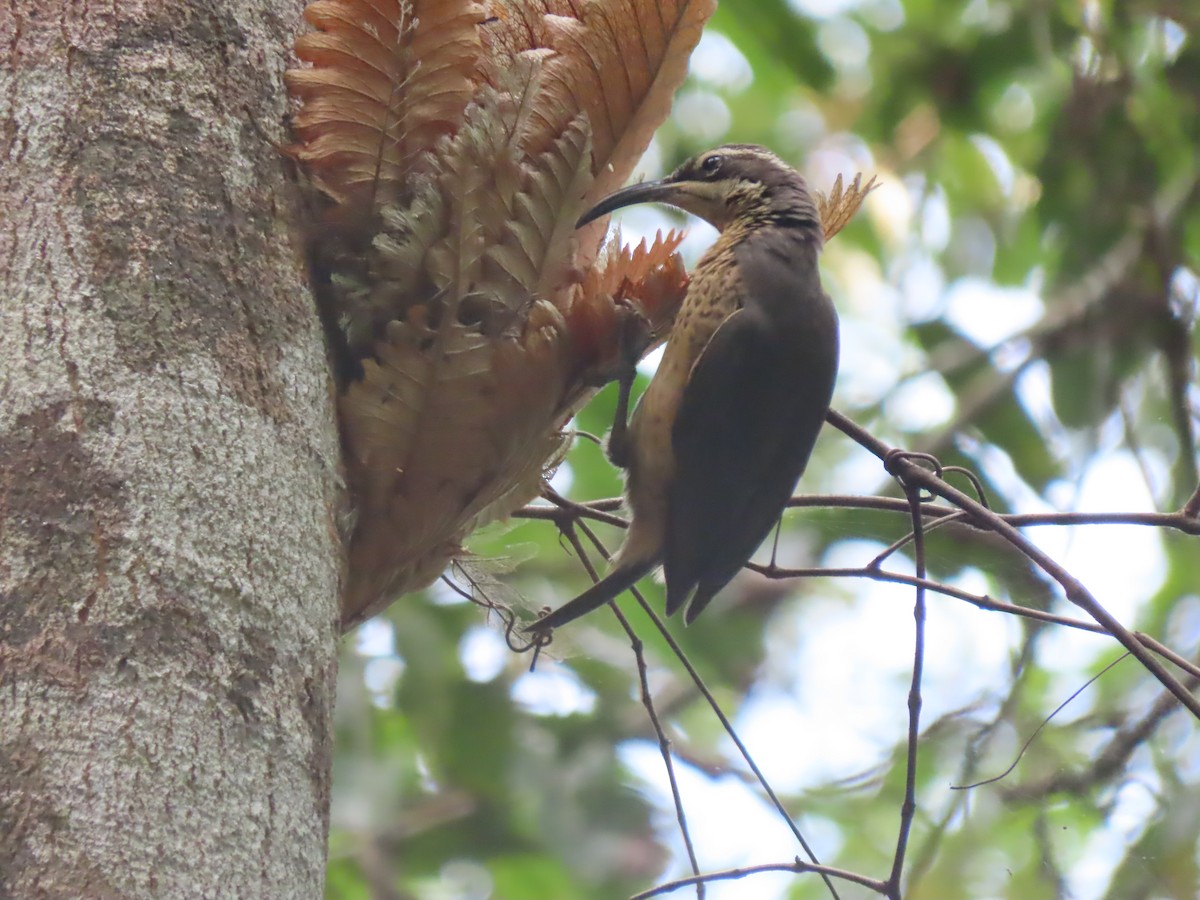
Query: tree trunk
[{"x": 169, "y": 492}]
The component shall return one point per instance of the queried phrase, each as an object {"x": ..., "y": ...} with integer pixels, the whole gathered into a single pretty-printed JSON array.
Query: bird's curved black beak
[{"x": 663, "y": 191}]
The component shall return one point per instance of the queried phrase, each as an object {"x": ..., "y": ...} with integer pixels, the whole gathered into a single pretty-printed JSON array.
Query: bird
[{"x": 726, "y": 426}]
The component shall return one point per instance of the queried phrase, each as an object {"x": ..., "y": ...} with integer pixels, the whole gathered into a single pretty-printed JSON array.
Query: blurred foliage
[{"x": 1020, "y": 298}]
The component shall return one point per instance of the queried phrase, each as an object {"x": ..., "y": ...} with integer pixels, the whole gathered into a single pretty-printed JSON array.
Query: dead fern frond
[
  {"x": 453, "y": 144},
  {"x": 387, "y": 79},
  {"x": 620, "y": 62},
  {"x": 837, "y": 209}
]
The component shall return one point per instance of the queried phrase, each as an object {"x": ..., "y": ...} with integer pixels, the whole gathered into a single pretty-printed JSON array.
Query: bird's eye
[{"x": 711, "y": 165}]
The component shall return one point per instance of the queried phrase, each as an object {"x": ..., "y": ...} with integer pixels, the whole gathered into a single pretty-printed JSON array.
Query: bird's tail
[{"x": 607, "y": 588}]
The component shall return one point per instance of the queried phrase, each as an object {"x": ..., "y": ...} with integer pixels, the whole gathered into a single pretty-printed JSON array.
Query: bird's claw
[{"x": 634, "y": 335}]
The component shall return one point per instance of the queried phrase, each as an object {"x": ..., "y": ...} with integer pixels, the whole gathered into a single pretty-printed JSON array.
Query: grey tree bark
[{"x": 169, "y": 490}]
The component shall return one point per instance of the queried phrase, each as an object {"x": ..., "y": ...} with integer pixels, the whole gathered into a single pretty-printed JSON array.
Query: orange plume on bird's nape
[{"x": 453, "y": 145}]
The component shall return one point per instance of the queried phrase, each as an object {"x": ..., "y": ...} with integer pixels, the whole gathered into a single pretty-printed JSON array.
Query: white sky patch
[
  {"x": 1121, "y": 565},
  {"x": 870, "y": 361},
  {"x": 998, "y": 160},
  {"x": 935, "y": 219},
  {"x": 375, "y": 637},
  {"x": 1172, "y": 37},
  {"x": 380, "y": 675},
  {"x": 882, "y": 15},
  {"x": 717, "y": 62},
  {"x": 552, "y": 691},
  {"x": 1185, "y": 293},
  {"x": 702, "y": 115},
  {"x": 700, "y": 236},
  {"x": 823, "y": 9},
  {"x": 651, "y": 163},
  {"x": 842, "y": 674},
  {"x": 988, "y": 314},
  {"x": 483, "y": 654},
  {"x": 730, "y": 826},
  {"x": 1107, "y": 846},
  {"x": 800, "y": 127},
  {"x": 563, "y": 478},
  {"x": 444, "y": 595},
  {"x": 972, "y": 246},
  {"x": 922, "y": 403},
  {"x": 839, "y": 153},
  {"x": 890, "y": 207},
  {"x": 922, "y": 285},
  {"x": 844, "y": 43},
  {"x": 634, "y": 224},
  {"x": 1033, "y": 390},
  {"x": 990, "y": 16},
  {"x": 649, "y": 364},
  {"x": 460, "y": 879}
]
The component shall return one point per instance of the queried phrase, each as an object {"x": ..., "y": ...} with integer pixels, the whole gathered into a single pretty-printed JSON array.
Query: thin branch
[
  {"x": 1191, "y": 509},
  {"x": 982, "y": 601},
  {"x": 798, "y": 867},
  {"x": 899, "y": 544},
  {"x": 572, "y": 518},
  {"x": 566, "y": 509},
  {"x": 1186, "y": 520},
  {"x": 1074, "y": 590},
  {"x": 1046, "y": 721},
  {"x": 664, "y": 743},
  {"x": 1106, "y": 763},
  {"x": 725, "y": 724},
  {"x": 908, "y": 809},
  {"x": 664, "y": 747}
]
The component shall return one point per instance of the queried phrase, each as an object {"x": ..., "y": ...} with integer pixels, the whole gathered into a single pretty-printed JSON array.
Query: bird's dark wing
[{"x": 748, "y": 419}]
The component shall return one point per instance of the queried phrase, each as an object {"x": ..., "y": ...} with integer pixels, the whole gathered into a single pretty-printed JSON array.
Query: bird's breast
[{"x": 713, "y": 295}]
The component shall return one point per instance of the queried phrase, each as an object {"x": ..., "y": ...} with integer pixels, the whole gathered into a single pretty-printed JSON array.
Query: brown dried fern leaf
[
  {"x": 838, "y": 208},
  {"x": 532, "y": 256},
  {"x": 387, "y": 79},
  {"x": 619, "y": 61},
  {"x": 477, "y": 423},
  {"x": 651, "y": 278},
  {"x": 457, "y": 152}
]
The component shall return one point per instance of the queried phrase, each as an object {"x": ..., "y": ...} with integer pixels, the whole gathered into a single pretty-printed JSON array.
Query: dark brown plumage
[{"x": 726, "y": 427}]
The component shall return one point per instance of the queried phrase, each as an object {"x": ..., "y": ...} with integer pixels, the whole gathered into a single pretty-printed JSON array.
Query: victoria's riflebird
[{"x": 727, "y": 424}]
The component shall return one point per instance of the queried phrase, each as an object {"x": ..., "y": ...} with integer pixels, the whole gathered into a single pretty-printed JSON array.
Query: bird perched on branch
[{"x": 727, "y": 424}]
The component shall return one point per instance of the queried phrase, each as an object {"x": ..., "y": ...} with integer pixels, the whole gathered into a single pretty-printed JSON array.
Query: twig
[
  {"x": 908, "y": 808},
  {"x": 878, "y": 560},
  {"x": 726, "y": 725},
  {"x": 1074, "y": 590},
  {"x": 797, "y": 866},
  {"x": 1191, "y": 509},
  {"x": 664, "y": 743},
  {"x": 664, "y": 747},
  {"x": 982, "y": 601},
  {"x": 1046, "y": 721},
  {"x": 1111, "y": 759},
  {"x": 1186, "y": 520}
]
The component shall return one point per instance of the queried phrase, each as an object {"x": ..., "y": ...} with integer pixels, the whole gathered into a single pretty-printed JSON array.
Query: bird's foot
[{"x": 634, "y": 335}]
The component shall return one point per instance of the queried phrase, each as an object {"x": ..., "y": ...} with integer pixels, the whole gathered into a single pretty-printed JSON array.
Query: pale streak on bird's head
[{"x": 741, "y": 183}]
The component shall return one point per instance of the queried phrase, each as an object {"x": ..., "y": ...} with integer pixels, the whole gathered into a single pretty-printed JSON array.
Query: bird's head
[{"x": 741, "y": 183}]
